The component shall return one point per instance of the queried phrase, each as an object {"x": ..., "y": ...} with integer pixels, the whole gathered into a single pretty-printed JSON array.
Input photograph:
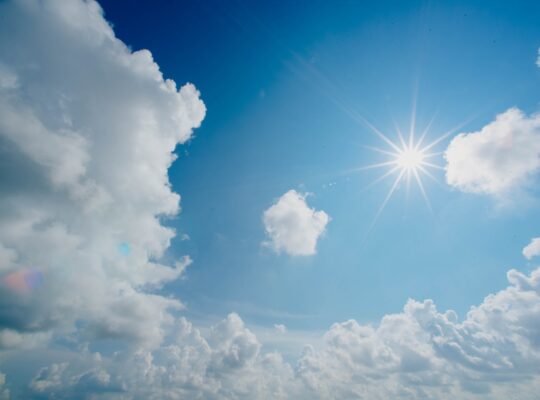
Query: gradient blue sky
[
  {"x": 279, "y": 277},
  {"x": 277, "y": 79}
]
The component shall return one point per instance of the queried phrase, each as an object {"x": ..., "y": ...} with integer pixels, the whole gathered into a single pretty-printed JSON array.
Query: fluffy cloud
[
  {"x": 503, "y": 156},
  {"x": 87, "y": 134},
  {"x": 532, "y": 249},
  {"x": 292, "y": 226},
  {"x": 493, "y": 353},
  {"x": 225, "y": 365},
  {"x": 422, "y": 353}
]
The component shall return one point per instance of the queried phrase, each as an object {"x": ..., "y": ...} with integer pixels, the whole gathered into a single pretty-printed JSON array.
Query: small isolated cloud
[
  {"x": 501, "y": 158},
  {"x": 292, "y": 226},
  {"x": 532, "y": 249},
  {"x": 280, "y": 328},
  {"x": 538, "y": 60}
]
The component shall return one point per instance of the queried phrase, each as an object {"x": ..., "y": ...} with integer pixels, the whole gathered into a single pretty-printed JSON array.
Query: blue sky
[
  {"x": 191, "y": 205},
  {"x": 270, "y": 76}
]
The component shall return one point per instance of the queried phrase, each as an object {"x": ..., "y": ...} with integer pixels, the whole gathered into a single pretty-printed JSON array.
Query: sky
[{"x": 314, "y": 200}]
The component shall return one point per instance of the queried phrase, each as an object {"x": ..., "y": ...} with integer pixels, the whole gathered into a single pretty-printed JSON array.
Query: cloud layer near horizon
[{"x": 416, "y": 354}]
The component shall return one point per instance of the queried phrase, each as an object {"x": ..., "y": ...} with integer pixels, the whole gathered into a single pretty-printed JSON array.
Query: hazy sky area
[{"x": 269, "y": 200}]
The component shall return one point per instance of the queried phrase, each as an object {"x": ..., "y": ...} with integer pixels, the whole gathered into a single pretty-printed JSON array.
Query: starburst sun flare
[{"x": 409, "y": 160}]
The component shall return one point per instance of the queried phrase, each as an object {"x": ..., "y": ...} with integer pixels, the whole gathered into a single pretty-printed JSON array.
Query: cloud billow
[
  {"x": 532, "y": 249},
  {"x": 293, "y": 227},
  {"x": 87, "y": 133},
  {"x": 419, "y": 353},
  {"x": 499, "y": 160}
]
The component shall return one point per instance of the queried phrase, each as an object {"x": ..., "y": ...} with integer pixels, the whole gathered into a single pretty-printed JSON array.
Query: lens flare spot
[
  {"x": 124, "y": 249},
  {"x": 23, "y": 281}
]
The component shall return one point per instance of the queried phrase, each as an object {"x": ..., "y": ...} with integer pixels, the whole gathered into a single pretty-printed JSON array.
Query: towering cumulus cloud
[{"x": 87, "y": 134}]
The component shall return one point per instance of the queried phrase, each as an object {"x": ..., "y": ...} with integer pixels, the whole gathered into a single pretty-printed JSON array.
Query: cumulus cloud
[
  {"x": 422, "y": 353},
  {"x": 532, "y": 249},
  {"x": 419, "y": 353},
  {"x": 292, "y": 226},
  {"x": 225, "y": 365},
  {"x": 502, "y": 157},
  {"x": 87, "y": 134}
]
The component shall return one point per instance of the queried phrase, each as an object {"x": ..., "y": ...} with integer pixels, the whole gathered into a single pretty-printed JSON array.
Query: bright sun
[{"x": 410, "y": 158}]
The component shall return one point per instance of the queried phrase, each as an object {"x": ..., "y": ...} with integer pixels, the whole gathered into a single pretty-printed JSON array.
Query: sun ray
[
  {"x": 430, "y": 176},
  {"x": 400, "y": 136},
  {"x": 380, "y": 134},
  {"x": 372, "y": 166},
  {"x": 410, "y": 159},
  {"x": 382, "y": 177},
  {"x": 429, "y": 155},
  {"x": 426, "y": 163},
  {"x": 387, "y": 198},
  {"x": 382, "y": 151},
  {"x": 425, "y": 132},
  {"x": 421, "y": 186},
  {"x": 408, "y": 186},
  {"x": 446, "y": 134},
  {"x": 413, "y": 121}
]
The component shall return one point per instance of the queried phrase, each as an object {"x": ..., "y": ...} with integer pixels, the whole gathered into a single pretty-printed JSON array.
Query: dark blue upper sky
[{"x": 280, "y": 81}]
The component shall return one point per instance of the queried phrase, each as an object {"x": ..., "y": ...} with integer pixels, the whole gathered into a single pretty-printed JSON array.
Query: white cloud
[
  {"x": 416, "y": 354},
  {"x": 292, "y": 226},
  {"x": 532, "y": 249},
  {"x": 86, "y": 141},
  {"x": 538, "y": 60},
  {"x": 225, "y": 365},
  {"x": 48, "y": 377},
  {"x": 87, "y": 133},
  {"x": 280, "y": 328},
  {"x": 502, "y": 157},
  {"x": 422, "y": 353}
]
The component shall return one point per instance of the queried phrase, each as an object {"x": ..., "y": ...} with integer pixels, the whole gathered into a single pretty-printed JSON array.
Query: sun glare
[
  {"x": 410, "y": 159},
  {"x": 407, "y": 160}
]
